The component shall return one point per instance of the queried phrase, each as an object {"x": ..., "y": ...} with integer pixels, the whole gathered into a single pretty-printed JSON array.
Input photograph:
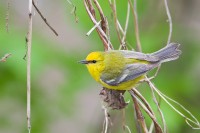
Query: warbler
[{"x": 123, "y": 69}]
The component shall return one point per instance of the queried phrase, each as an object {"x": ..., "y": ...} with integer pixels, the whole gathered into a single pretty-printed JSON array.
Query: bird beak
[{"x": 83, "y": 62}]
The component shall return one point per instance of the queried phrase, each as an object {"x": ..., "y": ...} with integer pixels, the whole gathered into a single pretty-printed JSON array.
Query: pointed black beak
[{"x": 83, "y": 62}]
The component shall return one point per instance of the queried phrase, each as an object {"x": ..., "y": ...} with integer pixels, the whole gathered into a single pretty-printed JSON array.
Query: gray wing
[
  {"x": 139, "y": 56},
  {"x": 130, "y": 72}
]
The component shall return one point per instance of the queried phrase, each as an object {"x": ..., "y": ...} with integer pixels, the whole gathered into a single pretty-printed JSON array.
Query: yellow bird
[{"x": 123, "y": 69}]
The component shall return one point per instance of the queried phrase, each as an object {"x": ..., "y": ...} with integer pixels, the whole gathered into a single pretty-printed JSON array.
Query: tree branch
[
  {"x": 4, "y": 58},
  {"x": 44, "y": 19},
  {"x": 91, "y": 12},
  {"x": 134, "y": 12},
  {"x": 170, "y": 22}
]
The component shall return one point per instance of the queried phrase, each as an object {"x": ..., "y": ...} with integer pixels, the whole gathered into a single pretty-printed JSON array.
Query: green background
[{"x": 65, "y": 99}]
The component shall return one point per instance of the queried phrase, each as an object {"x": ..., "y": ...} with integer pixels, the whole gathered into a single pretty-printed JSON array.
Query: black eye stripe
[{"x": 92, "y": 61}]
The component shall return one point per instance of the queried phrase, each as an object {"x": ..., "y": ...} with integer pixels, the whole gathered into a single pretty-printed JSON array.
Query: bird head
[{"x": 95, "y": 64}]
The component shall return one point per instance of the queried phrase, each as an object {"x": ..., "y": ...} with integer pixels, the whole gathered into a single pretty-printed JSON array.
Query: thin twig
[
  {"x": 156, "y": 73},
  {"x": 126, "y": 24},
  {"x": 114, "y": 11},
  {"x": 147, "y": 105},
  {"x": 139, "y": 115},
  {"x": 7, "y": 16},
  {"x": 151, "y": 127},
  {"x": 103, "y": 20},
  {"x": 4, "y": 58},
  {"x": 108, "y": 29},
  {"x": 106, "y": 122},
  {"x": 164, "y": 97},
  {"x": 44, "y": 19},
  {"x": 134, "y": 12},
  {"x": 159, "y": 110},
  {"x": 91, "y": 13},
  {"x": 123, "y": 119},
  {"x": 93, "y": 28},
  {"x": 137, "y": 93},
  {"x": 137, "y": 124},
  {"x": 125, "y": 127},
  {"x": 170, "y": 22},
  {"x": 102, "y": 34},
  {"x": 158, "y": 129},
  {"x": 73, "y": 10},
  {"x": 128, "y": 129}
]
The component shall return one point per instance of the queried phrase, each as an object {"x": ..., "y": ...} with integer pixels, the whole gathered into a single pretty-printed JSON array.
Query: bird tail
[{"x": 168, "y": 53}]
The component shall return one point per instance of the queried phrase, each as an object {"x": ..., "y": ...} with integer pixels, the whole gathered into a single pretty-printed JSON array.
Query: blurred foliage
[{"x": 64, "y": 96}]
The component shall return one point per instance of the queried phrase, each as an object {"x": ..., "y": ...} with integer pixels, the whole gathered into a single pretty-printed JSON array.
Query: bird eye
[{"x": 94, "y": 61}]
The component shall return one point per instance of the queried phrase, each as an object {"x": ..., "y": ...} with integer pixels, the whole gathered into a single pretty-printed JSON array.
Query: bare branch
[
  {"x": 106, "y": 123},
  {"x": 93, "y": 28},
  {"x": 134, "y": 12},
  {"x": 4, "y": 58},
  {"x": 125, "y": 127},
  {"x": 114, "y": 11},
  {"x": 7, "y": 16},
  {"x": 139, "y": 115},
  {"x": 103, "y": 19},
  {"x": 148, "y": 107},
  {"x": 44, "y": 19},
  {"x": 166, "y": 98},
  {"x": 123, "y": 45},
  {"x": 159, "y": 110},
  {"x": 108, "y": 29},
  {"x": 126, "y": 24},
  {"x": 91, "y": 12},
  {"x": 158, "y": 129},
  {"x": 29, "y": 43},
  {"x": 73, "y": 10},
  {"x": 170, "y": 22}
]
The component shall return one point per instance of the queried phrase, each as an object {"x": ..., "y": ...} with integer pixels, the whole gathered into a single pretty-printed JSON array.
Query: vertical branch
[
  {"x": 29, "y": 43},
  {"x": 123, "y": 45},
  {"x": 126, "y": 24},
  {"x": 134, "y": 12},
  {"x": 114, "y": 10},
  {"x": 139, "y": 115},
  {"x": 106, "y": 121},
  {"x": 7, "y": 16},
  {"x": 124, "y": 126},
  {"x": 170, "y": 22}
]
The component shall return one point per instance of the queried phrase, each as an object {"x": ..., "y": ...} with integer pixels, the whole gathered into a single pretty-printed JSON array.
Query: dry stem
[
  {"x": 29, "y": 43},
  {"x": 4, "y": 58},
  {"x": 114, "y": 11},
  {"x": 73, "y": 10},
  {"x": 91, "y": 12},
  {"x": 169, "y": 20},
  {"x": 7, "y": 16},
  {"x": 147, "y": 108},
  {"x": 139, "y": 115},
  {"x": 44, "y": 19},
  {"x": 134, "y": 12}
]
